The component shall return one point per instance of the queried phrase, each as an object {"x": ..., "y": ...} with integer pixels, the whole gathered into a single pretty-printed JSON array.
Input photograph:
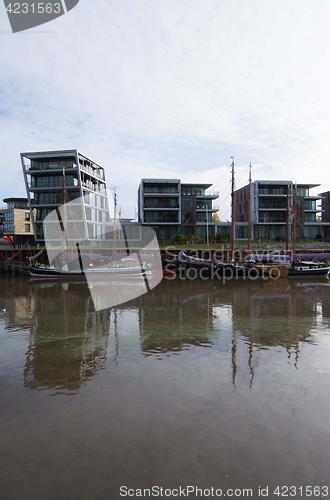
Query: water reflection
[
  {"x": 173, "y": 317},
  {"x": 68, "y": 339}
]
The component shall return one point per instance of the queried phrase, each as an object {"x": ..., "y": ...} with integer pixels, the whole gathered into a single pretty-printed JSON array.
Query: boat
[
  {"x": 212, "y": 270},
  {"x": 72, "y": 263},
  {"x": 40, "y": 271}
]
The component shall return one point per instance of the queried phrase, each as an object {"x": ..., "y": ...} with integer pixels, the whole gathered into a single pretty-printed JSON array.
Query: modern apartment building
[
  {"x": 15, "y": 221},
  {"x": 271, "y": 201},
  {"x": 171, "y": 207},
  {"x": 55, "y": 177}
]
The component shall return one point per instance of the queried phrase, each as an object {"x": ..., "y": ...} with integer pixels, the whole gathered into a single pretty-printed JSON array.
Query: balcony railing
[{"x": 209, "y": 194}]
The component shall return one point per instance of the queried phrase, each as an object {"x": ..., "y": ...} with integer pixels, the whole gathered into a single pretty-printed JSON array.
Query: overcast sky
[{"x": 172, "y": 88}]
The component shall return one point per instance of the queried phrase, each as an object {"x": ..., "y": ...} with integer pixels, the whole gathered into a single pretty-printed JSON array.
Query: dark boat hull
[{"x": 47, "y": 273}]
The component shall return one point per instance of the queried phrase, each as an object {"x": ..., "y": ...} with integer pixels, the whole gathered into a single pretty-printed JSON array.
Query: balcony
[
  {"x": 204, "y": 209},
  {"x": 176, "y": 207},
  {"x": 211, "y": 195},
  {"x": 161, "y": 194},
  {"x": 92, "y": 171}
]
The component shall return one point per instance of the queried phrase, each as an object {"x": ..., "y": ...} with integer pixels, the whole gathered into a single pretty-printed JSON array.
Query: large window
[
  {"x": 53, "y": 163},
  {"x": 151, "y": 202},
  {"x": 203, "y": 217},
  {"x": 193, "y": 190},
  {"x": 54, "y": 181},
  {"x": 165, "y": 233},
  {"x": 187, "y": 217},
  {"x": 170, "y": 217},
  {"x": 8, "y": 216},
  {"x": 310, "y": 217},
  {"x": 302, "y": 191},
  {"x": 48, "y": 198},
  {"x": 27, "y": 228},
  {"x": 187, "y": 203},
  {"x": 204, "y": 204},
  {"x": 151, "y": 216},
  {"x": 310, "y": 205},
  {"x": 170, "y": 203},
  {"x": 42, "y": 213},
  {"x": 8, "y": 227}
]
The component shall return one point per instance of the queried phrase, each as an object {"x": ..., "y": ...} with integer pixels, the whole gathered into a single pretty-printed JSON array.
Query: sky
[{"x": 172, "y": 89}]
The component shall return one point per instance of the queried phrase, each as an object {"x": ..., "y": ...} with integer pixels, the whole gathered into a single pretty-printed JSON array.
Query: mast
[
  {"x": 294, "y": 220},
  {"x": 249, "y": 215},
  {"x": 232, "y": 208},
  {"x": 64, "y": 210},
  {"x": 114, "y": 223},
  {"x": 207, "y": 228},
  {"x": 287, "y": 219}
]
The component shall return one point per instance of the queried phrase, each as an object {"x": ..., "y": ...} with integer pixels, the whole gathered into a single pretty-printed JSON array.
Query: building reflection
[
  {"x": 173, "y": 317},
  {"x": 281, "y": 313},
  {"x": 262, "y": 315},
  {"x": 68, "y": 339}
]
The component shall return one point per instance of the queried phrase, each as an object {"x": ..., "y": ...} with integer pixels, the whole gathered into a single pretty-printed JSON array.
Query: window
[
  {"x": 151, "y": 202},
  {"x": 310, "y": 217},
  {"x": 169, "y": 203},
  {"x": 201, "y": 217},
  {"x": 87, "y": 198},
  {"x": 188, "y": 217},
  {"x": 310, "y": 205},
  {"x": 8, "y": 227},
  {"x": 165, "y": 233},
  {"x": 170, "y": 217},
  {"x": 204, "y": 204},
  {"x": 302, "y": 191},
  {"x": 27, "y": 228},
  {"x": 8, "y": 216},
  {"x": 187, "y": 203},
  {"x": 27, "y": 216},
  {"x": 151, "y": 216}
]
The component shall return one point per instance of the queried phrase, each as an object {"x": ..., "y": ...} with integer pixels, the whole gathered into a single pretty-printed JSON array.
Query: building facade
[
  {"x": 15, "y": 221},
  {"x": 54, "y": 177},
  {"x": 326, "y": 214},
  {"x": 271, "y": 201},
  {"x": 171, "y": 207}
]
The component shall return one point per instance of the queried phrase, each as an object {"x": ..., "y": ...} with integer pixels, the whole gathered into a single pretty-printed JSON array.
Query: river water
[{"x": 196, "y": 384}]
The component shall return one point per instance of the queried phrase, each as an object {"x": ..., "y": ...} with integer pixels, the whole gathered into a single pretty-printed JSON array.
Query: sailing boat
[
  {"x": 78, "y": 265},
  {"x": 297, "y": 267},
  {"x": 301, "y": 268},
  {"x": 231, "y": 270}
]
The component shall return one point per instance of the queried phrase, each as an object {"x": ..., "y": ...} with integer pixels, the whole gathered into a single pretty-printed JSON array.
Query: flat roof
[
  {"x": 9, "y": 200},
  {"x": 54, "y": 154}
]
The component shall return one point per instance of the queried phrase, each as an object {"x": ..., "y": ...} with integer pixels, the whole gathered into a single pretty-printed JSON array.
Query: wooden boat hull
[
  {"x": 315, "y": 271},
  {"x": 47, "y": 273}
]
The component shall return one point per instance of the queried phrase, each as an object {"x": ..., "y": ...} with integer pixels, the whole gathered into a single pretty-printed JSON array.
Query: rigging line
[
  {"x": 225, "y": 173},
  {"x": 247, "y": 169}
]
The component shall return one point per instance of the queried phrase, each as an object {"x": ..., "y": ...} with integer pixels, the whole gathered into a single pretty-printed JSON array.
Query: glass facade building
[
  {"x": 171, "y": 207},
  {"x": 55, "y": 177}
]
